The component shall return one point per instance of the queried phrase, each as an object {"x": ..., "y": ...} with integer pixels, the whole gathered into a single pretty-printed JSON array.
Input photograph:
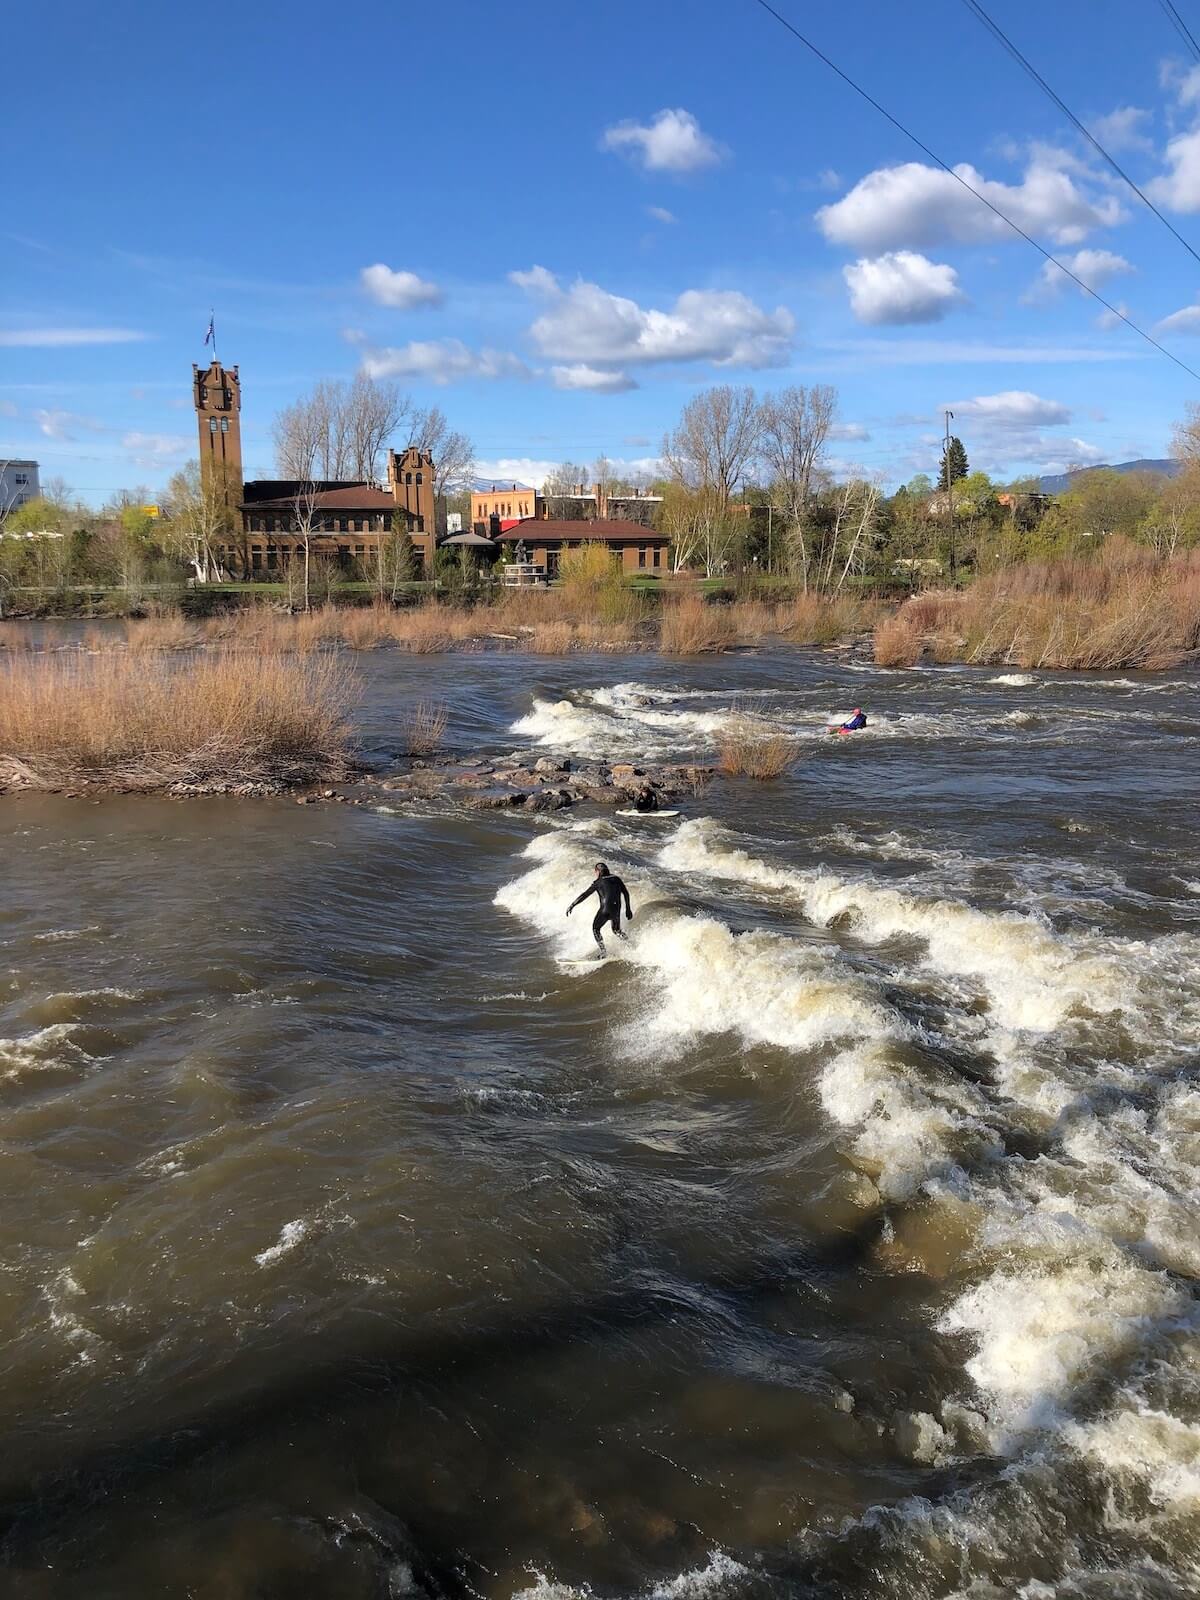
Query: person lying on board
[{"x": 856, "y": 720}]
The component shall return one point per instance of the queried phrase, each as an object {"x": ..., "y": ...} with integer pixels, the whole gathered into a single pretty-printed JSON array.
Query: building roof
[
  {"x": 287, "y": 488},
  {"x": 339, "y": 497},
  {"x": 612, "y": 530}
]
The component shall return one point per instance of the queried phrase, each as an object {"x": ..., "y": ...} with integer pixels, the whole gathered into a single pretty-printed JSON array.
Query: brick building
[
  {"x": 269, "y": 518},
  {"x": 634, "y": 547},
  {"x": 514, "y": 503}
]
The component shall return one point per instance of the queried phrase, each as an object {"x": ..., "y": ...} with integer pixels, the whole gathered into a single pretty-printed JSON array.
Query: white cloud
[
  {"x": 1108, "y": 320},
  {"x": 581, "y": 376},
  {"x": 828, "y": 178},
  {"x": 538, "y": 280},
  {"x": 661, "y": 214},
  {"x": 1069, "y": 453},
  {"x": 441, "y": 361},
  {"x": 150, "y": 449},
  {"x": 913, "y": 205},
  {"x": 586, "y": 323},
  {"x": 1121, "y": 129},
  {"x": 1186, "y": 320},
  {"x": 1012, "y": 408},
  {"x": 1093, "y": 267},
  {"x": 65, "y": 424},
  {"x": 400, "y": 289},
  {"x": 902, "y": 287},
  {"x": 673, "y": 142},
  {"x": 848, "y": 431},
  {"x": 1179, "y": 188},
  {"x": 62, "y": 338}
]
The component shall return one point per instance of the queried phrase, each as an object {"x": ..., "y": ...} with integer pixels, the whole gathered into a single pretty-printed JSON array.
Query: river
[{"x": 840, "y": 1239}]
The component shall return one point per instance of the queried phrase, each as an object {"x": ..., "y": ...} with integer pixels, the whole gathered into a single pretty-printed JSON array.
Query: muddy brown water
[{"x": 839, "y": 1239}]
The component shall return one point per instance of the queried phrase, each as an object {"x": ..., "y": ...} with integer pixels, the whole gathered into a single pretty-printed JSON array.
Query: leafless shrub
[{"x": 425, "y": 727}]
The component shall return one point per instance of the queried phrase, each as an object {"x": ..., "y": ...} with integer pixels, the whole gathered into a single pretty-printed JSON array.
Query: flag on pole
[{"x": 211, "y": 336}]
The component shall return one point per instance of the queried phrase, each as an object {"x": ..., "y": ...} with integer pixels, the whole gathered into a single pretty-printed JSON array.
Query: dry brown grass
[
  {"x": 690, "y": 627},
  {"x": 425, "y": 727},
  {"x": 216, "y": 718},
  {"x": 751, "y": 747},
  {"x": 898, "y": 642},
  {"x": 164, "y": 632},
  {"x": 1123, "y": 609}
]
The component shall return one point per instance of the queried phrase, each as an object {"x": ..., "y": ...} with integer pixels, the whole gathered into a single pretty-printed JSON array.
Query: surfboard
[
  {"x": 585, "y": 961},
  {"x": 649, "y": 815}
]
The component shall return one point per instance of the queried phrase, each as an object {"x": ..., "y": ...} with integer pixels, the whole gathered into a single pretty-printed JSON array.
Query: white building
[{"x": 18, "y": 483}]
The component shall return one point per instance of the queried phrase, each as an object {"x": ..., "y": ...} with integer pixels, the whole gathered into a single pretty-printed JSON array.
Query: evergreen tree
[{"x": 954, "y": 463}]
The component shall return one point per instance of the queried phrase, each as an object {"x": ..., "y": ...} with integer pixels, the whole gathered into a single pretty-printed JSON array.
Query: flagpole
[{"x": 213, "y": 325}]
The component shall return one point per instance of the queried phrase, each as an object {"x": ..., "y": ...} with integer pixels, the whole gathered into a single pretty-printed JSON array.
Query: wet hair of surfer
[{"x": 610, "y": 891}]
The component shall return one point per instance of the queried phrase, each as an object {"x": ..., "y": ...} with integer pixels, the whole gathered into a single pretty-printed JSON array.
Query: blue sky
[{"x": 558, "y": 220}]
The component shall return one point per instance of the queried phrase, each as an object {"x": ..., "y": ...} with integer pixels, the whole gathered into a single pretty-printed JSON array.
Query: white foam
[
  {"x": 1032, "y": 977},
  {"x": 1041, "y": 1331},
  {"x": 1015, "y": 680},
  {"x": 765, "y": 987},
  {"x": 291, "y": 1235}
]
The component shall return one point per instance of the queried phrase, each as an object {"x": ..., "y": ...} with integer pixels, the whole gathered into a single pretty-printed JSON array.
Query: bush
[
  {"x": 689, "y": 627},
  {"x": 425, "y": 727},
  {"x": 751, "y": 747},
  {"x": 898, "y": 641}
]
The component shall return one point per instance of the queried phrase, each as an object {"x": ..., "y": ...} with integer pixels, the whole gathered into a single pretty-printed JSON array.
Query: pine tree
[{"x": 955, "y": 457}]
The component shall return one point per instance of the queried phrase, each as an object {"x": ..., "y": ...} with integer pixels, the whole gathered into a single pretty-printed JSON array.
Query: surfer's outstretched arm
[
  {"x": 628, "y": 907},
  {"x": 580, "y": 898}
]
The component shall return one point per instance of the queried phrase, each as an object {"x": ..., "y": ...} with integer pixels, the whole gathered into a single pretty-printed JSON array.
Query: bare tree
[
  {"x": 373, "y": 412},
  {"x": 715, "y": 441},
  {"x": 794, "y": 428},
  {"x": 855, "y": 508},
  {"x": 200, "y": 519},
  {"x": 453, "y": 456},
  {"x": 703, "y": 530},
  {"x": 339, "y": 432},
  {"x": 304, "y": 518}
]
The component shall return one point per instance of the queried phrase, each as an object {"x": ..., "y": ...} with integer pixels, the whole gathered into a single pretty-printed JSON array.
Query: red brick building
[{"x": 634, "y": 547}]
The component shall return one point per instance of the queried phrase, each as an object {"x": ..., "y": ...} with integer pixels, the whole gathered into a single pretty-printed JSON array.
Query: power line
[
  {"x": 970, "y": 188},
  {"x": 998, "y": 33},
  {"x": 1181, "y": 27}
]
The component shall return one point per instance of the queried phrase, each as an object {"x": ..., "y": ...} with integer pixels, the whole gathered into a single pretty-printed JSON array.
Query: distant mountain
[
  {"x": 1060, "y": 481},
  {"x": 486, "y": 485}
]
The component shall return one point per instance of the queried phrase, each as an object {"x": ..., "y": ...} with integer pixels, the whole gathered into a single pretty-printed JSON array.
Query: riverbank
[
  {"x": 549, "y": 622},
  {"x": 1125, "y": 610}
]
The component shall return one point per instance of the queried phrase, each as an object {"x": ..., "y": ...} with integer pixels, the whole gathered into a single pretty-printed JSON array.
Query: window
[
  {"x": 420, "y": 521},
  {"x": 658, "y": 557},
  {"x": 420, "y": 478},
  {"x": 408, "y": 477},
  {"x": 212, "y": 424},
  {"x": 21, "y": 477},
  {"x": 224, "y": 424},
  {"x": 641, "y": 555}
]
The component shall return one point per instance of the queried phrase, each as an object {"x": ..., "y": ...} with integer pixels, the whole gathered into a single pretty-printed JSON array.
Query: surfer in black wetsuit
[{"x": 610, "y": 891}]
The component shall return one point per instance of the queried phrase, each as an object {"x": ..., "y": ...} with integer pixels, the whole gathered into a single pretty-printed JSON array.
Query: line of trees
[{"x": 342, "y": 431}]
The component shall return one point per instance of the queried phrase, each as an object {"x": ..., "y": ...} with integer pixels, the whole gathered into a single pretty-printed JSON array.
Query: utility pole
[{"x": 950, "y": 499}]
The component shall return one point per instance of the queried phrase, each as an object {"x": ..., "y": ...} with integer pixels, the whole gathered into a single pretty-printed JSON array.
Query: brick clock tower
[{"x": 217, "y": 396}]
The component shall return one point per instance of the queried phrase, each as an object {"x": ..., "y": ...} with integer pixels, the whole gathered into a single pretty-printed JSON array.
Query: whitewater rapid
[{"x": 1064, "y": 1169}]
